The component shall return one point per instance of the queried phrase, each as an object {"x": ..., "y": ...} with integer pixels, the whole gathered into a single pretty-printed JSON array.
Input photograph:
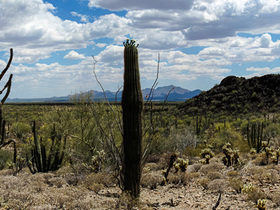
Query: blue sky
[{"x": 199, "y": 41}]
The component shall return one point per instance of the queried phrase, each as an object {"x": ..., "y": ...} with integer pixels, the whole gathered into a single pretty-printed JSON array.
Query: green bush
[
  {"x": 20, "y": 129},
  {"x": 5, "y": 157}
]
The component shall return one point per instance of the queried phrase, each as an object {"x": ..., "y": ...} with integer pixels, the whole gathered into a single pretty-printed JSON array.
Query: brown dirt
[{"x": 57, "y": 191}]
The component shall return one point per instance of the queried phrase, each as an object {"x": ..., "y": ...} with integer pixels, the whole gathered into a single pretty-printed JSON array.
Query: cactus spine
[{"x": 132, "y": 106}]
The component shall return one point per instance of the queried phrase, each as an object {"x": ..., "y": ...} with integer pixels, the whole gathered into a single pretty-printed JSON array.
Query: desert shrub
[
  {"x": 260, "y": 159},
  {"x": 182, "y": 138},
  {"x": 57, "y": 182},
  {"x": 275, "y": 197},
  {"x": 236, "y": 184},
  {"x": 152, "y": 166},
  {"x": 194, "y": 167},
  {"x": 213, "y": 166},
  {"x": 151, "y": 180},
  {"x": 192, "y": 151},
  {"x": 228, "y": 135},
  {"x": 176, "y": 179},
  {"x": 253, "y": 193},
  {"x": 272, "y": 176},
  {"x": 5, "y": 158},
  {"x": 272, "y": 131},
  {"x": 20, "y": 129},
  {"x": 257, "y": 173},
  {"x": 190, "y": 177},
  {"x": 97, "y": 181},
  {"x": 218, "y": 185},
  {"x": 232, "y": 174},
  {"x": 204, "y": 182},
  {"x": 214, "y": 175}
]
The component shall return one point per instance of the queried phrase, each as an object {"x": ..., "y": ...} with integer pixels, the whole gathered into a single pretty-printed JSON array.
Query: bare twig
[
  {"x": 150, "y": 96},
  {"x": 218, "y": 202},
  {"x": 105, "y": 97}
]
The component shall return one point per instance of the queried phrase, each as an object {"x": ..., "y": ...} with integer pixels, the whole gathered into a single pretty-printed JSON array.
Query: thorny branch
[{"x": 106, "y": 99}]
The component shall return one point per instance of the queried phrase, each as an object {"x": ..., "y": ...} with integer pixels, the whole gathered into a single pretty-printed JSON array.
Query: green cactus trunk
[{"x": 132, "y": 106}]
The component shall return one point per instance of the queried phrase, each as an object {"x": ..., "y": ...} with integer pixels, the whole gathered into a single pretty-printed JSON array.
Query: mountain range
[{"x": 159, "y": 94}]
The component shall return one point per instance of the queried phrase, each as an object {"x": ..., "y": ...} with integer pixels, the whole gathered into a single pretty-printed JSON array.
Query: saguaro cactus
[{"x": 132, "y": 106}]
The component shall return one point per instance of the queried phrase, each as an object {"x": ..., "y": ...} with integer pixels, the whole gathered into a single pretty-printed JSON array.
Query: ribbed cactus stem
[{"x": 132, "y": 106}]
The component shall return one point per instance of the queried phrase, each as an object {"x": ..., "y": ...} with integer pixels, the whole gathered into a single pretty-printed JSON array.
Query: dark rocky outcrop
[{"x": 238, "y": 95}]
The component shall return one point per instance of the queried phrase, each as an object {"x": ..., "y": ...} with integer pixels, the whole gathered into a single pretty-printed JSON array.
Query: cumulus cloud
[
  {"x": 101, "y": 45},
  {"x": 36, "y": 31},
  {"x": 84, "y": 18},
  {"x": 168, "y": 27},
  {"x": 73, "y": 55},
  {"x": 117, "y": 5}
]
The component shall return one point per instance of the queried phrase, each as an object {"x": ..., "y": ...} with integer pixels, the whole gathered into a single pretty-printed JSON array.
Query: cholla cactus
[
  {"x": 261, "y": 204},
  {"x": 275, "y": 156},
  {"x": 231, "y": 156},
  {"x": 180, "y": 164},
  {"x": 253, "y": 151},
  {"x": 247, "y": 188},
  {"x": 97, "y": 160},
  {"x": 207, "y": 154}
]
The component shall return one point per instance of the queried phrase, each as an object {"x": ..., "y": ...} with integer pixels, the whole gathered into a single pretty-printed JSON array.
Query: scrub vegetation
[{"x": 201, "y": 154}]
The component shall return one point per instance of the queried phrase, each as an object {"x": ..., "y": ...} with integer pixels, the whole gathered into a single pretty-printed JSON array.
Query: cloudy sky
[{"x": 200, "y": 42}]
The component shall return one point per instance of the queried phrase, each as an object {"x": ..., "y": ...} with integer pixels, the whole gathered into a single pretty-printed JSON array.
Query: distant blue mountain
[{"x": 159, "y": 94}]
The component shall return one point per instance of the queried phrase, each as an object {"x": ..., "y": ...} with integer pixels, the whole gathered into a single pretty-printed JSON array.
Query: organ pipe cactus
[
  {"x": 132, "y": 107},
  {"x": 40, "y": 160}
]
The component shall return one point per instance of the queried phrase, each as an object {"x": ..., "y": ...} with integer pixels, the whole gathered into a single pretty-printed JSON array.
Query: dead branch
[{"x": 218, "y": 202}]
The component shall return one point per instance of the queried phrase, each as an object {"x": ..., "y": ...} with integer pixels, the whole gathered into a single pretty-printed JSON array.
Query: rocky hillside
[{"x": 238, "y": 95}]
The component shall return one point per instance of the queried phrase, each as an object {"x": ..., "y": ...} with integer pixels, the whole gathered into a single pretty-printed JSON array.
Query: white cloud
[
  {"x": 73, "y": 55},
  {"x": 35, "y": 32},
  {"x": 265, "y": 70},
  {"x": 84, "y": 18},
  {"x": 143, "y": 4},
  {"x": 101, "y": 45}
]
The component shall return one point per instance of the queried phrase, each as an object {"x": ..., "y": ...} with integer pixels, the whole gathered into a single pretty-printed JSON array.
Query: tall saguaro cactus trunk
[{"x": 132, "y": 106}]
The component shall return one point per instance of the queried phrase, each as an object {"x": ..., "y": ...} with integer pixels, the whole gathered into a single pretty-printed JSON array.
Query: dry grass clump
[
  {"x": 190, "y": 177},
  {"x": 204, "y": 182},
  {"x": 218, "y": 185},
  {"x": 47, "y": 191},
  {"x": 272, "y": 176},
  {"x": 275, "y": 197},
  {"x": 212, "y": 167},
  {"x": 260, "y": 159},
  {"x": 236, "y": 184},
  {"x": 98, "y": 181},
  {"x": 214, "y": 175},
  {"x": 232, "y": 174},
  {"x": 151, "y": 179},
  {"x": 194, "y": 167},
  {"x": 152, "y": 166}
]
